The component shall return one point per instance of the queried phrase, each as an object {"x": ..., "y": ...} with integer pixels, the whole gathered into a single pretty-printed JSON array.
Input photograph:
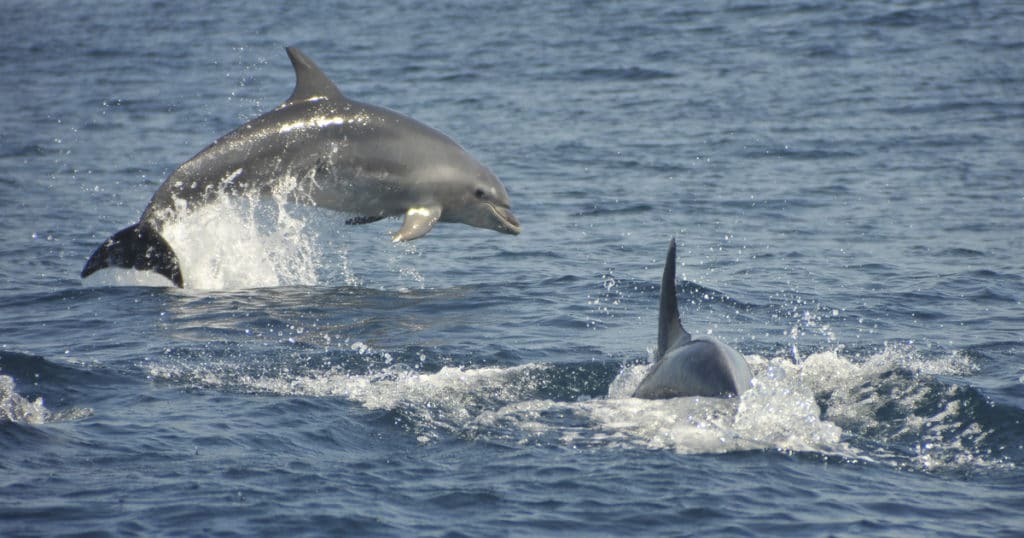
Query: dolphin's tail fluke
[{"x": 140, "y": 247}]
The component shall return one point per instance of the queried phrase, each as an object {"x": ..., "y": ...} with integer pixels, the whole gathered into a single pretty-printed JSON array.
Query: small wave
[
  {"x": 802, "y": 154},
  {"x": 45, "y": 378},
  {"x": 18, "y": 151},
  {"x": 632, "y": 73},
  {"x": 621, "y": 209},
  {"x": 902, "y": 18}
]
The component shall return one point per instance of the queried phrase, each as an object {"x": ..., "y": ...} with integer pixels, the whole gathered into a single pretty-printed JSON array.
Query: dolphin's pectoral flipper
[
  {"x": 136, "y": 247},
  {"x": 363, "y": 220},
  {"x": 418, "y": 221},
  {"x": 671, "y": 333}
]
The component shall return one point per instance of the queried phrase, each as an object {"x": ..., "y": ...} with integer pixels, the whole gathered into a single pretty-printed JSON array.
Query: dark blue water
[{"x": 846, "y": 183}]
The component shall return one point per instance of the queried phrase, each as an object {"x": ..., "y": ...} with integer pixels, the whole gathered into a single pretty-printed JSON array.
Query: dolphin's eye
[{"x": 480, "y": 194}]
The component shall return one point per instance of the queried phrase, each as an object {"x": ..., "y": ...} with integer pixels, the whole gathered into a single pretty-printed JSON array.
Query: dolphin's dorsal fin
[
  {"x": 670, "y": 330},
  {"x": 310, "y": 82}
]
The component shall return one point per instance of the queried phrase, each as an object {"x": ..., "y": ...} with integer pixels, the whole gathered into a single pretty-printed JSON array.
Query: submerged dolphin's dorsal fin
[
  {"x": 670, "y": 330},
  {"x": 310, "y": 82}
]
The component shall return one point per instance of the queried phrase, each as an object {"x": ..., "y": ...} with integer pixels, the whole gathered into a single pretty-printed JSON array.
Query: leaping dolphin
[
  {"x": 347, "y": 156},
  {"x": 687, "y": 366}
]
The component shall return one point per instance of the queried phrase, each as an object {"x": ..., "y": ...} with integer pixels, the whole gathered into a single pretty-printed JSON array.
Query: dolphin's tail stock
[{"x": 140, "y": 247}]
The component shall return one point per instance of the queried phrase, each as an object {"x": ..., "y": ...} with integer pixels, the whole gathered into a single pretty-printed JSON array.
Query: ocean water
[{"x": 845, "y": 181}]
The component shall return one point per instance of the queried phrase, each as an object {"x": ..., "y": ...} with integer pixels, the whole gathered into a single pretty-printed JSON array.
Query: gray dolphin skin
[
  {"x": 688, "y": 366},
  {"x": 345, "y": 155}
]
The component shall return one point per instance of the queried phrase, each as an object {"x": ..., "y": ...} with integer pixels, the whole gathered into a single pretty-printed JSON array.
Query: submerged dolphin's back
[{"x": 702, "y": 367}]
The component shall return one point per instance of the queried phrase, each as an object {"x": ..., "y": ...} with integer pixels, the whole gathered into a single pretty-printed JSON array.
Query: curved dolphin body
[
  {"x": 345, "y": 155},
  {"x": 687, "y": 366}
]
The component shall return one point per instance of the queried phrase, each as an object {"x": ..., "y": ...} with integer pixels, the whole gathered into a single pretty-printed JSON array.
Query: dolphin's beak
[{"x": 506, "y": 221}]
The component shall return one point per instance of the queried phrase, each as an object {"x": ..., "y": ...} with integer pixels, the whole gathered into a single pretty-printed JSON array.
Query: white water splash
[
  {"x": 446, "y": 400},
  {"x": 16, "y": 408},
  {"x": 501, "y": 403},
  {"x": 245, "y": 242},
  {"x": 893, "y": 397},
  {"x": 407, "y": 270},
  {"x": 272, "y": 239},
  {"x": 779, "y": 412},
  {"x": 775, "y": 413}
]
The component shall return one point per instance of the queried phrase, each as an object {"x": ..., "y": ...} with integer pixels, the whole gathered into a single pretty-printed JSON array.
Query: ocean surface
[{"x": 845, "y": 182}]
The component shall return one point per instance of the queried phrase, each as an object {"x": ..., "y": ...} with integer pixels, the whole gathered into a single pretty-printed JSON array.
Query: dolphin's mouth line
[{"x": 509, "y": 223}]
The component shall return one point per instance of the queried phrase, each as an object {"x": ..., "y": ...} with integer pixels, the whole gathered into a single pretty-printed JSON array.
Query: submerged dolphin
[
  {"x": 687, "y": 366},
  {"x": 346, "y": 156}
]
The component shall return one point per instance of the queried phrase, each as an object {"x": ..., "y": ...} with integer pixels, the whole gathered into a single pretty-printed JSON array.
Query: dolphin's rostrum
[
  {"x": 687, "y": 366},
  {"x": 346, "y": 156}
]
